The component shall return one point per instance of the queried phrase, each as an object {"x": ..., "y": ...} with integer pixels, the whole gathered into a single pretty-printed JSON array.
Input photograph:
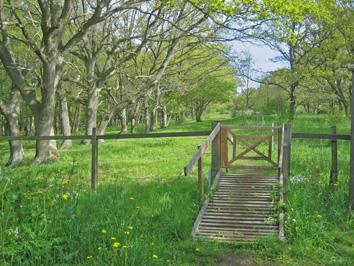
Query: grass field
[{"x": 144, "y": 210}]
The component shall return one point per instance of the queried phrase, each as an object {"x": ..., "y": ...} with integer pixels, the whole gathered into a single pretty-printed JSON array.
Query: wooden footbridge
[{"x": 247, "y": 183}]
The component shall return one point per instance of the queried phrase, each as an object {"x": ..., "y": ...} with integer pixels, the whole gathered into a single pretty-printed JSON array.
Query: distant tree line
[{"x": 69, "y": 66}]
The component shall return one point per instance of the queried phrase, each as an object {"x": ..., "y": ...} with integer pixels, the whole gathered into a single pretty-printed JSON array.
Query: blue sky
[{"x": 261, "y": 54}]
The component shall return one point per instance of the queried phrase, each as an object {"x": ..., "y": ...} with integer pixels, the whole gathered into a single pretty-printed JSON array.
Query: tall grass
[{"x": 144, "y": 210}]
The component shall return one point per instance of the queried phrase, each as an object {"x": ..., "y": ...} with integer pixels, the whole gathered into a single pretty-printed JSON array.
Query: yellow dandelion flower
[
  {"x": 103, "y": 231},
  {"x": 116, "y": 245},
  {"x": 89, "y": 257},
  {"x": 155, "y": 257},
  {"x": 130, "y": 227},
  {"x": 65, "y": 182},
  {"x": 197, "y": 249},
  {"x": 113, "y": 238},
  {"x": 66, "y": 196},
  {"x": 124, "y": 246}
]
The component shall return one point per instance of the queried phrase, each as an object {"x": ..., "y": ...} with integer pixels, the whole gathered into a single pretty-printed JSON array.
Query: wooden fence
[{"x": 211, "y": 141}]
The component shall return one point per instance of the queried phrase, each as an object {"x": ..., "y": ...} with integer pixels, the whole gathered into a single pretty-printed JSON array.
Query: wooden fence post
[
  {"x": 215, "y": 156},
  {"x": 287, "y": 157},
  {"x": 94, "y": 159},
  {"x": 200, "y": 180},
  {"x": 351, "y": 178},
  {"x": 334, "y": 165}
]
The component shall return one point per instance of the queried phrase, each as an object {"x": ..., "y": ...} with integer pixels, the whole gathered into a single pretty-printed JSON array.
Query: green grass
[{"x": 140, "y": 185}]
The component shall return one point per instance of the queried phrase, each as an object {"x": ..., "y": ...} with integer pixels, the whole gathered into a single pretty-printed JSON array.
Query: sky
[{"x": 261, "y": 55}]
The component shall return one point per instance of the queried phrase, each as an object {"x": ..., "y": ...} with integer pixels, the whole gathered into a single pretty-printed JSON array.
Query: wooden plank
[
  {"x": 203, "y": 147},
  {"x": 204, "y": 207},
  {"x": 200, "y": 180},
  {"x": 254, "y": 149},
  {"x": 258, "y": 167},
  {"x": 223, "y": 148},
  {"x": 266, "y": 128},
  {"x": 215, "y": 154},
  {"x": 111, "y": 136},
  {"x": 298, "y": 135},
  {"x": 248, "y": 136}
]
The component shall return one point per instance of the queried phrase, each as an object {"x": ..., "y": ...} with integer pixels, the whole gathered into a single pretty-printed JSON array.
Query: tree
[{"x": 49, "y": 47}]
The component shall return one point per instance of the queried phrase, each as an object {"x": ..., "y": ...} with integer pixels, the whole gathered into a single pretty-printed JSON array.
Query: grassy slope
[{"x": 140, "y": 186}]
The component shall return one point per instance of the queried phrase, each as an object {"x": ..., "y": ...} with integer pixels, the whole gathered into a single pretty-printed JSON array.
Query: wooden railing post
[
  {"x": 94, "y": 159},
  {"x": 215, "y": 156},
  {"x": 287, "y": 157},
  {"x": 334, "y": 165},
  {"x": 200, "y": 180}
]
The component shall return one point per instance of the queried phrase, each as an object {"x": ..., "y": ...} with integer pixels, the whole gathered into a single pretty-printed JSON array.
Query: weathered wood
[
  {"x": 241, "y": 217},
  {"x": 265, "y": 128},
  {"x": 351, "y": 178},
  {"x": 253, "y": 136},
  {"x": 215, "y": 153},
  {"x": 251, "y": 147},
  {"x": 223, "y": 148},
  {"x": 270, "y": 148},
  {"x": 94, "y": 159},
  {"x": 297, "y": 135},
  {"x": 255, "y": 167},
  {"x": 112, "y": 136},
  {"x": 334, "y": 164},
  {"x": 200, "y": 180}
]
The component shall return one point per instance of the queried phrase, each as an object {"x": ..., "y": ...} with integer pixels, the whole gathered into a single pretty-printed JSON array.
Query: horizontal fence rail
[
  {"x": 296, "y": 135},
  {"x": 112, "y": 136}
]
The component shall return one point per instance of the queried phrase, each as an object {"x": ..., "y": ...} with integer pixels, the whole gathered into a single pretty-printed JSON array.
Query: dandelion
[
  {"x": 127, "y": 233},
  {"x": 130, "y": 227},
  {"x": 197, "y": 250},
  {"x": 103, "y": 231},
  {"x": 89, "y": 257},
  {"x": 66, "y": 196},
  {"x": 124, "y": 247},
  {"x": 155, "y": 257},
  {"x": 65, "y": 182},
  {"x": 116, "y": 245},
  {"x": 113, "y": 238}
]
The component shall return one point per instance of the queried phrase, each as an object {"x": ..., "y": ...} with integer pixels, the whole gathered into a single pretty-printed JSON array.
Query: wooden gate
[{"x": 254, "y": 145}]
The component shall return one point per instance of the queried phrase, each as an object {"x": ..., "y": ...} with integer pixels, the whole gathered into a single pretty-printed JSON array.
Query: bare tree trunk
[
  {"x": 134, "y": 117},
  {"x": 124, "y": 120},
  {"x": 165, "y": 119},
  {"x": 147, "y": 114},
  {"x": 77, "y": 118},
  {"x": 44, "y": 113},
  {"x": 292, "y": 98},
  {"x": 11, "y": 111},
  {"x": 65, "y": 119}
]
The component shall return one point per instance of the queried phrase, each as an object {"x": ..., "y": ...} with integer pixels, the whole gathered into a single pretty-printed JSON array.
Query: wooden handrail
[
  {"x": 202, "y": 149},
  {"x": 251, "y": 127}
]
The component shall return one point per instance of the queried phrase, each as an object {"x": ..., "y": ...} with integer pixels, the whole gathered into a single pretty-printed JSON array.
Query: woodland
[{"x": 69, "y": 67}]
